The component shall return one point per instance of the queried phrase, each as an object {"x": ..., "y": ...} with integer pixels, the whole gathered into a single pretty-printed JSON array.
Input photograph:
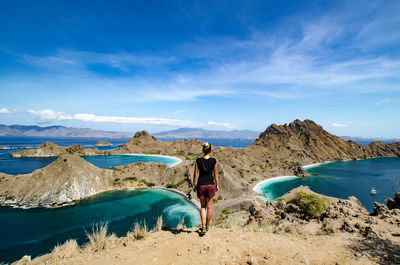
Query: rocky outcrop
[
  {"x": 103, "y": 143},
  {"x": 300, "y": 172},
  {"x": 395, "y": 202},
  {"x": 66, "y": 180},
  {"x": 308, "y": 142},
  {"x": 49, "y": 149}
]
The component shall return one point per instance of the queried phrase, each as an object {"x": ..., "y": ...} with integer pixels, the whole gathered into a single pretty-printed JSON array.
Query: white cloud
[
  {"x": 47, "y": 116},
  {"x": 5, "y": 111},
  {"x": 339, "y": 125}
]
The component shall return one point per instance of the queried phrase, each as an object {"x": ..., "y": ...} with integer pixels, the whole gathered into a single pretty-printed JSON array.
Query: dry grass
[
  {"x": 67, "y": 250},
  {"x": 23, "y": 261},
  {"x": 159, "y": 224},
  {"x": 181, "y": 225},
  {"x": 112, "y": 241},
  {"x": 98, "y": 237},
  {"x": 139, "y": 231}
]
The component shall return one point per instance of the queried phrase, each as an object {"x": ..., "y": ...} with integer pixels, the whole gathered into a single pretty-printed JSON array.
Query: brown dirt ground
[{"x": 226, "y": 246}]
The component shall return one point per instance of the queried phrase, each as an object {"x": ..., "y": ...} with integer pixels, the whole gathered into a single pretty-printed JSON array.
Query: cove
[
  {"x": 343, "y": 179},
  {"x": 25, "y": 165},
  {"x": 36, "y": 231},
  {"x": 111, "y": 161}
]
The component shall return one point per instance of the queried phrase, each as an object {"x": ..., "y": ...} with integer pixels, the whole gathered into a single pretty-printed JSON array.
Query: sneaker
[{"x": 202, "y": 231}]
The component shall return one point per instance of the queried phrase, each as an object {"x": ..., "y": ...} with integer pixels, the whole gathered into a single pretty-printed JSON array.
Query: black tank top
[{"x": 205, "y": 167}]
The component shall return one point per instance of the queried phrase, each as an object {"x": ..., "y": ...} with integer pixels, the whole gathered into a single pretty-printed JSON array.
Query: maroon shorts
[{"x": 206, "y": 191}]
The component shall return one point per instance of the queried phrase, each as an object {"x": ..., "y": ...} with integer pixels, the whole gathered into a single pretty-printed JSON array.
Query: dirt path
[{"x": 226, "y": 246}]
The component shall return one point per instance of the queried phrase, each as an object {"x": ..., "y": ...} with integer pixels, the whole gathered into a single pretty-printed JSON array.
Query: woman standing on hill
[{"x": 205, "y": 181}]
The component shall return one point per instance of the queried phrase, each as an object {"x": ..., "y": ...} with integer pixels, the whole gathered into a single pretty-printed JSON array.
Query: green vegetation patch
[
  {"x": 225, "y": 212},
  {"x": 311, "y": 205},
  {"x": 148, "y": 184}
]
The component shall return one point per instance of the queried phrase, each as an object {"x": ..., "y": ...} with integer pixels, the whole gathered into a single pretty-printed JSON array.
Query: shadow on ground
[{"x": 383, "y": 251}]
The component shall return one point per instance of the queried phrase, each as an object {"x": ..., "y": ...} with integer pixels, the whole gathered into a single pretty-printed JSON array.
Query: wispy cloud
[
  {"x": 385, "y": 101},
  {"x": 321, "y": 54},
  {"x": 48, "y": 116},
  {"x": 338, "y": 125},
  {"x": 5, "y": 111}
]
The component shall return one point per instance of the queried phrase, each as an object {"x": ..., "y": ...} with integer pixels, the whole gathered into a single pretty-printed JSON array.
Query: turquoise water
[
  {"x": 119, "y": 160},
  {"x": 37, "y": 231},
  {"x": 11, "y": 165},
  {"x": 344, "y": 179}
]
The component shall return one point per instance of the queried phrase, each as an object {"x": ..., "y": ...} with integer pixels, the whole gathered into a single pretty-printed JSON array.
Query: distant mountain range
[
  {"x": 61, "y": 131},
  {"x": 185, "y": 133},
  {"x": 190, "y": 133},
  {"x": 58, "y": 131},
  {"x": 367, "y": 140}
]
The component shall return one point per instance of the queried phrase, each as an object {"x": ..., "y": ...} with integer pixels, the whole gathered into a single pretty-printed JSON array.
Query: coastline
[
  {"x": 172, "y": 157},
  {"x": 319, "y": 164},
  {"x": 260, "y": 184},
  {"x": 181, "y": 193}
]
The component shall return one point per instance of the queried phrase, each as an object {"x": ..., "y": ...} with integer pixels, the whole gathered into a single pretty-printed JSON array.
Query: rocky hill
[
  {"x": 66, "y": 180},
  {"x": 307, "y": 142},
  {"x": 280, "y": 150},
  {"x": 49, "y": 149}
]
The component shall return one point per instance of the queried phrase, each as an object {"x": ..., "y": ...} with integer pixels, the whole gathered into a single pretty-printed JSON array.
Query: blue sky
[{"x": 159, "y": 65}]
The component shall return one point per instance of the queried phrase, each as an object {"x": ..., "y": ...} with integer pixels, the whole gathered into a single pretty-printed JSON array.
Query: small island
[{"x": 103, "y": 143}]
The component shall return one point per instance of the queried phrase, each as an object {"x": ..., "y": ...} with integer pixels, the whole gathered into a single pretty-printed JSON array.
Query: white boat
[{"x": 373, "y": 191}]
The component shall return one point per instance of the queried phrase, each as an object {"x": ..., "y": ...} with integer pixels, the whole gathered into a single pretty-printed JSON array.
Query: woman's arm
[
  {"x": 216, "y": 175},
  {"x": 195, "y": 176}
]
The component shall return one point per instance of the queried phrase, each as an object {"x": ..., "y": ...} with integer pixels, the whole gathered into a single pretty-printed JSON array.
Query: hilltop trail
[{"x": 227, "y": 246}]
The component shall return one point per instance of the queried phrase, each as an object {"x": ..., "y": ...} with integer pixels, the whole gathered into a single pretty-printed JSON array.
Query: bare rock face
[
  {"x": 143, "y": 133},
  {"x": 395, "y": 202},
  {"x": 68, "y": 179},
  {"x": 300, "y": 172}
]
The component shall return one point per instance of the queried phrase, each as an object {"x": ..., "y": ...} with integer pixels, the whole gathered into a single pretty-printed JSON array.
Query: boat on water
[{"x": 373, "y": 191}]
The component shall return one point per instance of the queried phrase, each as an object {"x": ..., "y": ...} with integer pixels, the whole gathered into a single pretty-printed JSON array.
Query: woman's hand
[
  {"x": 194, "y": 188},
  {"x": 216, "y": 187}
]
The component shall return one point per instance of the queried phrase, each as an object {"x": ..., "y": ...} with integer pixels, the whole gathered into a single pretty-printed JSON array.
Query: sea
[
  {"x": 36, "y": 231},
  {"x": 343, "y": 179}
]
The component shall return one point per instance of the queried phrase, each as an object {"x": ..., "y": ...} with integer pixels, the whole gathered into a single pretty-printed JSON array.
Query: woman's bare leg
[
  {"x": 203, "y": 211},
  {"x": 209, "y": 202}
]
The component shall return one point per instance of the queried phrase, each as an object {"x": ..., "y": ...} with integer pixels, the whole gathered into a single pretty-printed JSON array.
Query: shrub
[
  {"x": 98, "y": 238},
  {"x": 139, "y": 232},
  {"x": 311, "y": 205},
  {"x": 131, "y": 178},
  {"x": 67, "y": 250},
  {"x": 254, "y": 179},
  {"x": 215, "y": 200},
  {"x": 148, "y": 184},
  {"x": 225, "y": 212},
  {"x": 170, "y": 186}
]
